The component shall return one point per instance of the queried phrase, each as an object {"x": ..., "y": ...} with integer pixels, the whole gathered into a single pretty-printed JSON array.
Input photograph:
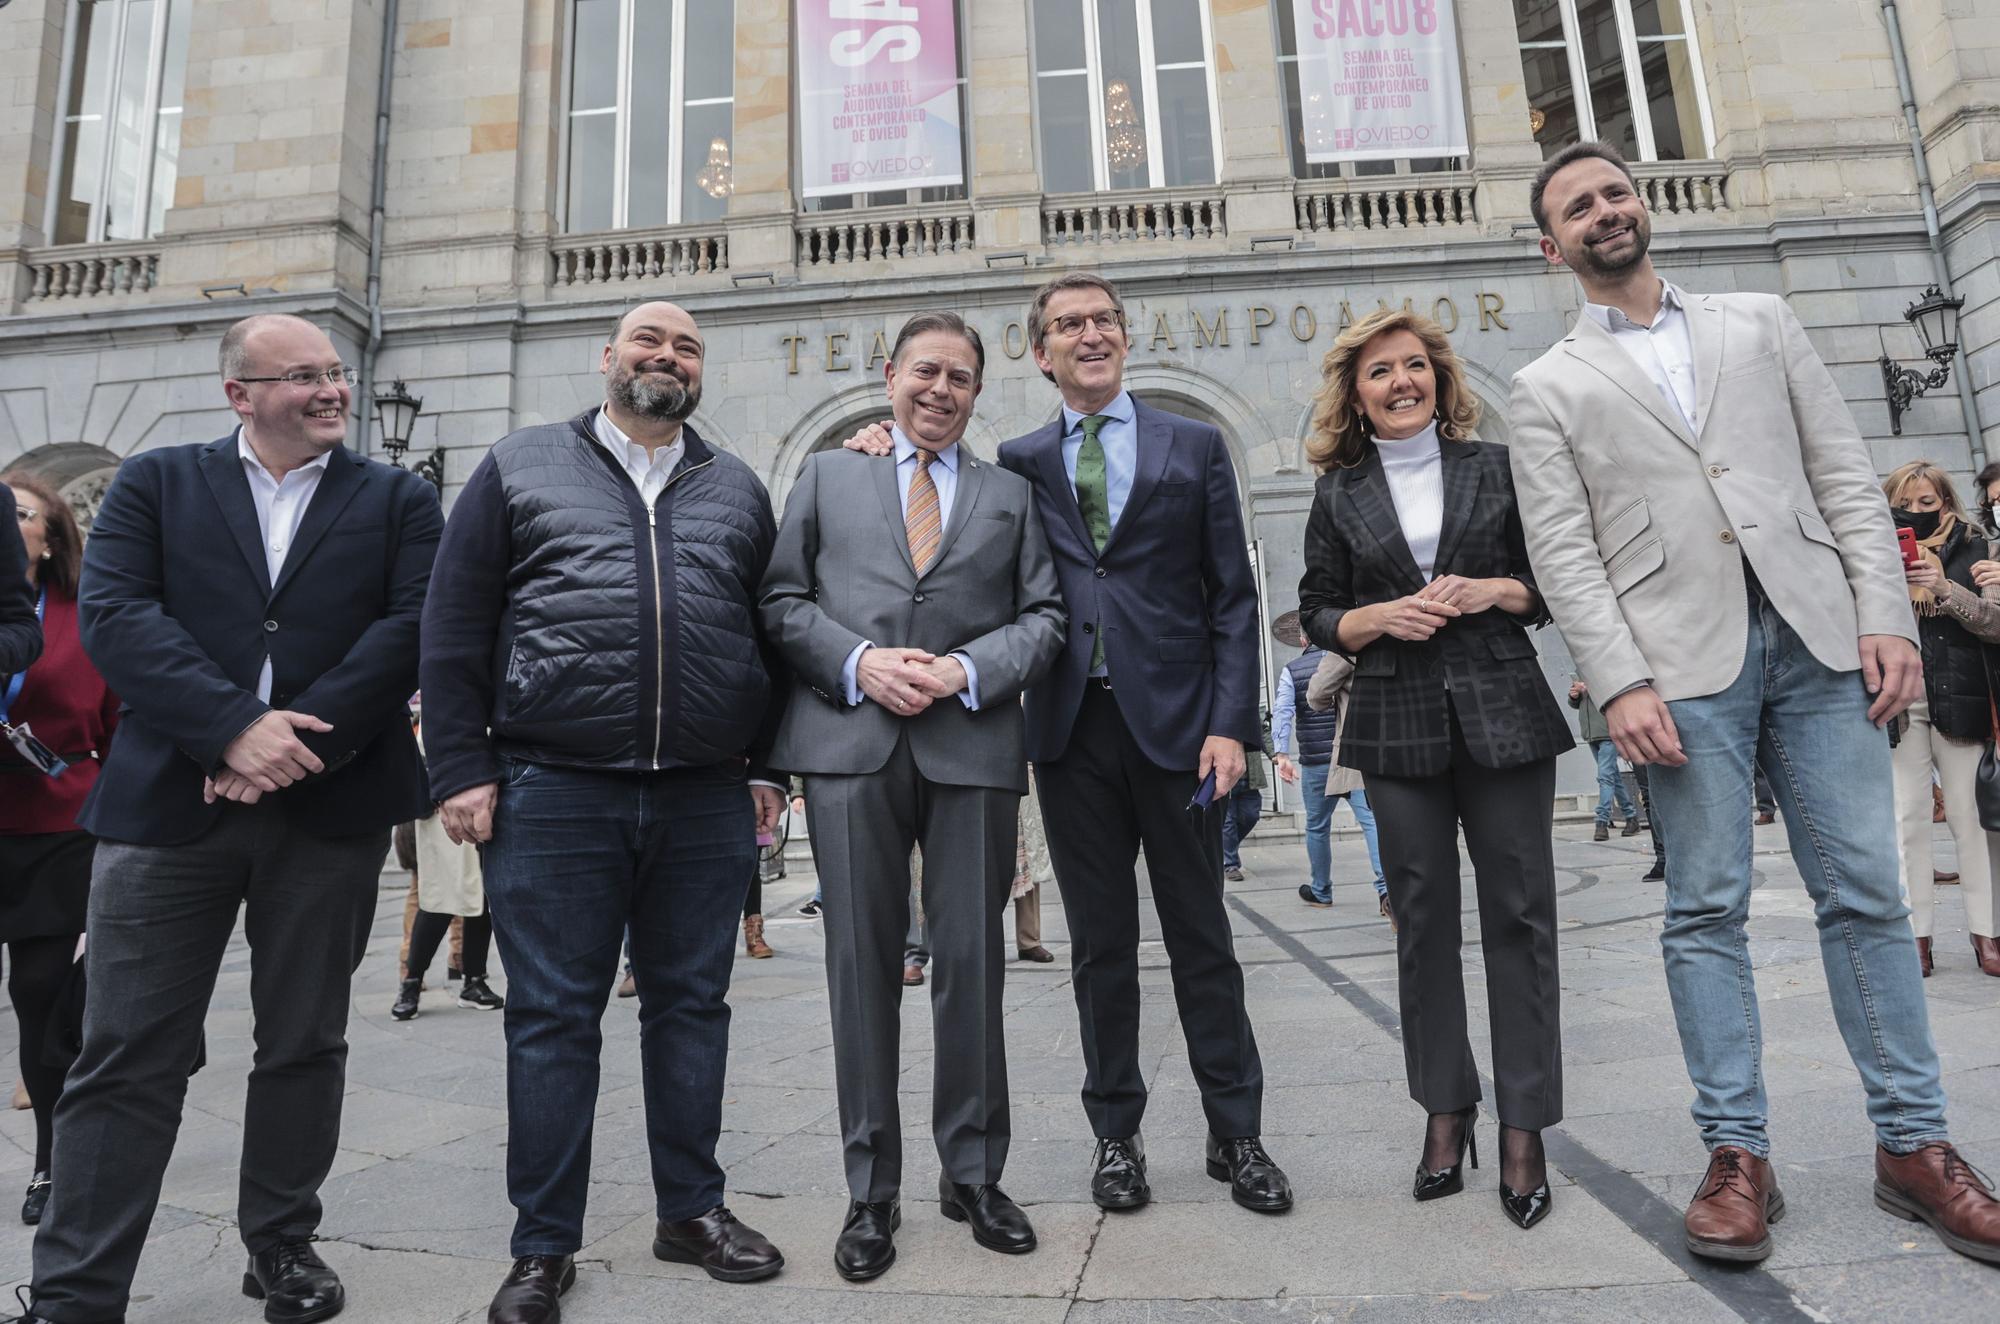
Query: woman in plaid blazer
[{"x": 1416, "y": 567}]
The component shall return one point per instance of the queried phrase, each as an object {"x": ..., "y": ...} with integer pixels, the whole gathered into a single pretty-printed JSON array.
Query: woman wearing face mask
[
  {"x": 1417, "y": 569},
  {"x": 1945, "y": 732}
]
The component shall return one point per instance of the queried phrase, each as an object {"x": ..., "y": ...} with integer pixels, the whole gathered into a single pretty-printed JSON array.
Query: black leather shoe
[
  {"x": 406, "y": 999},
  {"x": 1656, "y": 874},
  {"x": 531, "y": 1293},
  {"x": 1255, "y": 1182},
  {"x": 294, "y": 1283},
  {"x": 1530, "y": 1209},
  {"x": 1449, "y": 1180},
  {"x": 866, "y": 1246},
  {"x": 37, "y": 1199},
  {"x": 997, "y": 1222},
  {"x": 728, "y": 1250},
  {"x": 1118, "y": 1176}
]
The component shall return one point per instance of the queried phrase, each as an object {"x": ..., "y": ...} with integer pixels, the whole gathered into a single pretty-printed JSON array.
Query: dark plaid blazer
[{"x": 1481, "y": 667}]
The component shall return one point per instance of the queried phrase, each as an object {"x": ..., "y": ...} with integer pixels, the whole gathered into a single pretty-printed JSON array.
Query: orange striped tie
[{"x": 921, "y": 519}]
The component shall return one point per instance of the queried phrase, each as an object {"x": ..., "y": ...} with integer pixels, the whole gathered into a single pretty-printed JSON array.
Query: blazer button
[
  {"x": 1715, "y": 471},
  {"x": 1727, "y": 536},
  {"x": 1088, "y": 628},
  {"x": 270, "y": 627},
  {"x": 1100, "y": 572},
  {"x": 918, "y": 598}
]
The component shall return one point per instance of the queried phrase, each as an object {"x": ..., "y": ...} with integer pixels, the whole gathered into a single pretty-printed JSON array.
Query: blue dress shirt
[
  {"x": 1284, "y": 711},
  {"x": 1120, "y": 439},
  {"x": 944, "y": 476}
]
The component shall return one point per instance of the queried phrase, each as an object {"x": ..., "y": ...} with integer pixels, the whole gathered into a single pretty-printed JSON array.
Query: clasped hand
[
  {"x": 907, "y": 680},
  {"x": 266, "y": 756}
]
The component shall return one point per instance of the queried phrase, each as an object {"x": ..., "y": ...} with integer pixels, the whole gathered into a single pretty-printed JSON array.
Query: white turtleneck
[{"x": 1414, "y": 467}]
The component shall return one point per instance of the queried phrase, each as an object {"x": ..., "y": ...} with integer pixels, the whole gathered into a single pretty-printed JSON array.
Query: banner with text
[
  {"x": 1379, "y": 79},
  {"x": 878, "y": 96}
]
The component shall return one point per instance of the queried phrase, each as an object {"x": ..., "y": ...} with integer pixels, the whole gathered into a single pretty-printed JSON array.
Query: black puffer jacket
[
  {"x": 569, "y": 625},
  {"x": 1955, "y": 684}
]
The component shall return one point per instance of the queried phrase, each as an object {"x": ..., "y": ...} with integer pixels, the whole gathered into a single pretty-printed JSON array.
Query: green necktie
[{"x": 1094, "y": 501}]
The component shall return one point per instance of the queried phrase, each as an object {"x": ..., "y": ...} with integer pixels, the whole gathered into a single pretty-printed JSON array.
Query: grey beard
[{"x": 657, "y": 395}]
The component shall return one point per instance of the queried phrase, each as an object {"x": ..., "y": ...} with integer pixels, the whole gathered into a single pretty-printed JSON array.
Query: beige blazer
[
  {"x": 1638, "y": 530},
  {"x": 1328, "y": 687}
]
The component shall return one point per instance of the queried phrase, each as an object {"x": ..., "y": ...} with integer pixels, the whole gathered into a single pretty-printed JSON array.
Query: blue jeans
[
  {"x": 1610, "y": 785},
  {"x": 1830, "y": 769},
  {"x": 1241, "y": 809},
  {"x": 1319, "y": 830},
  {"x": 576, "y": 859}
]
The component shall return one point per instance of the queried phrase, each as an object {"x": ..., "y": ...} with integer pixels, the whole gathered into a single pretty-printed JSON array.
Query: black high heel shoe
[
  {"x": 1531, "y": 1208},
  {"x": 1450, "y": 1181}
]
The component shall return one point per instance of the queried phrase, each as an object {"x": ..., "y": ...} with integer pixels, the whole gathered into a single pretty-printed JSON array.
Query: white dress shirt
[
  {"x": 1664, "y": 351},
  {"x": 649, "y": 473},
  {"x": 1414, "y": 467},
  {"x": 944, "y": 477},
  {"x": 281, "y": 505}
]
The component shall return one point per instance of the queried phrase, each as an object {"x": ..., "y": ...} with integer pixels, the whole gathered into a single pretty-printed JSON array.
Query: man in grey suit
[
  {"x": 1707, "y": 529},
  {"x": 914, "y": 594}
]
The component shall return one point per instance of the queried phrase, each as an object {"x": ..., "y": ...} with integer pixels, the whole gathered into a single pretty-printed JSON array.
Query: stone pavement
[{"x": 417, "y": 1216}]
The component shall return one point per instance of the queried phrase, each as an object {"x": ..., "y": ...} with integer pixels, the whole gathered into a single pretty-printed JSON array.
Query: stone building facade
[{"x": 1786, "y": 166}]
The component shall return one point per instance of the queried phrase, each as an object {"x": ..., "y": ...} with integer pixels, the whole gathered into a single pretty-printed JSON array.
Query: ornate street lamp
[
  {"x": 396, "y": 414},
  {"x": 1936, "y": 318}
]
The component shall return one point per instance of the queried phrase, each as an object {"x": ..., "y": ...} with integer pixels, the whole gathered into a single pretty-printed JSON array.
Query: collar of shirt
[
  {"x": 906, "y": 449},
  {"x": 315, "y": 466},
  {"x": 1614, "y": 320},
  {"x": 1120, "y": 409},
  {"x": 649, "y": 473}
]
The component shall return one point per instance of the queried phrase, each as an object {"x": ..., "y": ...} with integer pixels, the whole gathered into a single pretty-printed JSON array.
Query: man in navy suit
[
  {"x": 1155, "y": 691},
  {"x": 255, "y": 601}
]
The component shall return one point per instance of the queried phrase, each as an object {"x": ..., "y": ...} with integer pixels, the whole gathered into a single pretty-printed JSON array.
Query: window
[
  {"x": 1625, "y": 71},
  {"x": 118, "y": 143},
  {"x": 1288, "y": 81},
  {"x": 1125, "y": 94},
  {"x": 651, "y": 104}
]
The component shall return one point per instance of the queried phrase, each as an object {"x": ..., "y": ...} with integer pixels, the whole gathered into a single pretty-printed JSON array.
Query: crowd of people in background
[{"x": 626, "y": 657}]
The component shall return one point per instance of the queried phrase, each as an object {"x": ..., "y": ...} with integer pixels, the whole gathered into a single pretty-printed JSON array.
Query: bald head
[
  {"x": 240, "y": 341},
  {"x": 658, "y": 314}
]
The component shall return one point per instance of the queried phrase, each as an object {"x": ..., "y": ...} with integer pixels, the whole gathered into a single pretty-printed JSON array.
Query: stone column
[
  {"x": 31, "y": 67},
  {"x": 761, "y": 209},
  {"x": 1006, "y": 193},
  {"x": 1504, "y": 151},
  {"x": 1256, "y": 170}
]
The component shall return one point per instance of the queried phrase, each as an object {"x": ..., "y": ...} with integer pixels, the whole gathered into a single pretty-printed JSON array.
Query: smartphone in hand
[{"x": 1907, "y": 540}]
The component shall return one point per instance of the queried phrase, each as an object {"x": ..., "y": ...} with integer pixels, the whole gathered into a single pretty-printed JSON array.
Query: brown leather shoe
[
  {"x": 1924, "y": 955},
  {"x": 913, "y": 976},
  {"x": 1988, "y": 952},
  {"x": 1943, "y": 877},
  {"x": 754, "y": 945},
  {"x": 1937, "y": 1186},
  {"x": 1766, "y": 819},
  {"x": 1731, "y": 1214}
]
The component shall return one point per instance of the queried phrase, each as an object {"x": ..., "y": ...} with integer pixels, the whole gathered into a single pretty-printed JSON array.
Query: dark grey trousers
[
  {"x": 862, "y": 830},
  {"x": 160, "y": 919},
  {"x": 1508, "y": 818}
]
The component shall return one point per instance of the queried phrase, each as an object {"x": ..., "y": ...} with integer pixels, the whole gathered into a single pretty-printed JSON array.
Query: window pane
[
  {"x": 1177, "y": 32},
  {"x": 1124, "y": 108},
  {"x": 1185, "y": 140},
  {"x": 1064, "y": 104},
  {"x": 1604, "y": 66},
  {"x": 173, "y": 78},
  {"x": 648, "y": 186},
  {"x": 711, "y": 49},
  {"x": 130, "y": 133},
  {"x": 1295, "y": 123},
  {"x": 705, "y": 162},
  {"x": 1059, "y": 34},
  {"x": 1550, "y": 94},
  {"x": 1669, "y": 79},
  {"x": 83, "y": 146},
  {"x": 1538, "y": 20},
  {"x": 594, "y": 71},
  {"x": 1656, "y": 18},
  {"x": 592, "y": 149}
]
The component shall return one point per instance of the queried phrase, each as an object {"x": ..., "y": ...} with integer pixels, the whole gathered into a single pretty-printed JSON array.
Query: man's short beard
[
  {"x": 656, "y": 395},
  {"x": 1588, "y": 258}
]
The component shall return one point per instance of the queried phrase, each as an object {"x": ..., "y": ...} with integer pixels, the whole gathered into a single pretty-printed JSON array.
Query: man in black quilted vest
[{"x": 598, "y": 705}]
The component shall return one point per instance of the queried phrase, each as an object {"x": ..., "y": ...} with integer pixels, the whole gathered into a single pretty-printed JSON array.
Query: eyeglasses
[
  {"x": 304, "y": 378},
  {"x": 26, "y": 515},
  {"x": 1070, "y": 325}
]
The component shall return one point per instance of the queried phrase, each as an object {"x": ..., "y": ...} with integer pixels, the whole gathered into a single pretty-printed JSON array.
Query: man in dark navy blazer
[
  {"x": 20, "y": 631},
  {"x": 255, "y": 601},
  {"x": 1156, "y": 689}
]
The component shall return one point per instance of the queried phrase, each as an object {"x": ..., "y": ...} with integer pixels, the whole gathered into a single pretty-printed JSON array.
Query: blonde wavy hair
[
  {"x": 1923, "y": 470},
  {"x": 1340, "y": 431}
]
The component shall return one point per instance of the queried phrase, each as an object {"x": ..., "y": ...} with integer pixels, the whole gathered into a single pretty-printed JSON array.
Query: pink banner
[{"x": 878, "y": 96}]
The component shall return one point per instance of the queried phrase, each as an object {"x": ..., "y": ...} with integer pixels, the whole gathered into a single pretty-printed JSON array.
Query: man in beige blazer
[{"x": 1706, "y": 526}]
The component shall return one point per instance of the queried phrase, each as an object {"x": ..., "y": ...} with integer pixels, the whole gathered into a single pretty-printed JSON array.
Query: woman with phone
[
  {"x": 1417, "y": 569},
  {"x": 1943, "y": 734}
]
